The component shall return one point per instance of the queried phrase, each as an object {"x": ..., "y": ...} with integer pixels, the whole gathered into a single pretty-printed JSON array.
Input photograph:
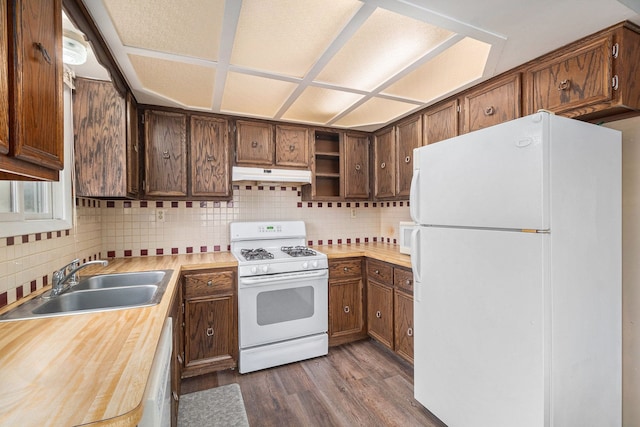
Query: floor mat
[{"x": 220, "y": 406}]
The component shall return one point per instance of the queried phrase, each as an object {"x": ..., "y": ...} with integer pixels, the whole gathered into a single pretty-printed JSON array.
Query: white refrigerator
[{"x": 517, "y": 271}]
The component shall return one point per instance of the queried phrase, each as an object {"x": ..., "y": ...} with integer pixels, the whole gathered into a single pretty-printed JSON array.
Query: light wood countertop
[{"x": 93, "y": 368}]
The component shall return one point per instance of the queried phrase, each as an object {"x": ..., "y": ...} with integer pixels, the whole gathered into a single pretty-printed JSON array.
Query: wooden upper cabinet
[
  {"x": 292, "y": 146},
  {"x": 440, "y": 122},
  {"x": 254, "y": 145},
  {"x": 100, "y": 135},
  {"x": 490, "y": 104},
  {"x": 165, "y": 153},
  {"x": 408, "y": 137},
  {"x": 32, "y": 64},
  {"x": 384, "y": 164},
  {"x": 356, "y": 166},
  {"x": 209, "y": 157}
]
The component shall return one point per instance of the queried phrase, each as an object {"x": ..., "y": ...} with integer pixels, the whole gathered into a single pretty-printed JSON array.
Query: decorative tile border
[{"x": 30, "y": 238}]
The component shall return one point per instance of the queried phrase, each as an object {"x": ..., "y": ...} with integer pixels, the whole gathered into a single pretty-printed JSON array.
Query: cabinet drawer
[
  {"x": 403, "y": 279},
  {"x": 206, "y": 284},
  {"x": 380, "y": 272},
  {"x": 345, "y": 268}
]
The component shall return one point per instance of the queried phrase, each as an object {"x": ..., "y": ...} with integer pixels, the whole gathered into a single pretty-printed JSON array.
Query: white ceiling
[{"x": 357, "y": 64}]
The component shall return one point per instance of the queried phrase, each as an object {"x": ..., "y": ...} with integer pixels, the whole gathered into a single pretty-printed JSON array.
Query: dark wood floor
[{"x": 358, "y": 384}]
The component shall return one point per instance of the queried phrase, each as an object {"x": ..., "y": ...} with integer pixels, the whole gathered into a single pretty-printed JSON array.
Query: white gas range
[{"x": 282, "y": 294}]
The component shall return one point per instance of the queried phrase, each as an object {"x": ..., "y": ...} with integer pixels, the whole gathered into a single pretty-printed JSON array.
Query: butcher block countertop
[{"x": 93, "y": 368}]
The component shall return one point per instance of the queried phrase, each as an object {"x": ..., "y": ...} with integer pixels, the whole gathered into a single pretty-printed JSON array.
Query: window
[{"x": 28, "y": 207}]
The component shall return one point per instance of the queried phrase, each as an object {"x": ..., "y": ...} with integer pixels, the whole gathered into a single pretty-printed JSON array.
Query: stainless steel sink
[{"x": 98, "y": 293}]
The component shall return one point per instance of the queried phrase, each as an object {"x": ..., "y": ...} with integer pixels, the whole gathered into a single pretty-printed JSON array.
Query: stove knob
[
  {"x": 314, "y": 263},
  {"x": 254, "y": 270},
  {"x": 265, "y": 268},
  {"x": 305, "y": 265}
]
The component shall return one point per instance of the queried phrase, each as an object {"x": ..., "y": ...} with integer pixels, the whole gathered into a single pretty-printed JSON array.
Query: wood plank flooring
[{"x": 357, "y": 384}]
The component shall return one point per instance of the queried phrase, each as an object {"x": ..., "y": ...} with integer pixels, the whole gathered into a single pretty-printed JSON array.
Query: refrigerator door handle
[
  {"x": 413, "y": 193},
  {"x": 415, "y": 263}
]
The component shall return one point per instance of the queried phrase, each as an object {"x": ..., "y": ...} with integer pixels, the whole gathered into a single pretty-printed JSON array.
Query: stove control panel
[{"x": 269, "y": 229}]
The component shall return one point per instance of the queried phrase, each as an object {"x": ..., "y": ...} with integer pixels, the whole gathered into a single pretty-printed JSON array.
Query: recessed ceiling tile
[
  {"x": 375, "y": 111},
  {"x": 186, "y": 27},
  {"x": 386, "y": 44},
  {"x": 188, "y": 84},
  {"x": 288, "y": 36},
  {"x": 320, "y": 105},
  {"x": 256, "y": 96},
  {"x": 457, "y": 66}
]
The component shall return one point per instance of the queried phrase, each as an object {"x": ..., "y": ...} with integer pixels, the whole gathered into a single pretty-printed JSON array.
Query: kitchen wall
[{"x": 148, "y": 228}]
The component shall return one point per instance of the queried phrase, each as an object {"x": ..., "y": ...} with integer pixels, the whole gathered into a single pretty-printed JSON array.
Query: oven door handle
[{"x": 283, "y": 277}]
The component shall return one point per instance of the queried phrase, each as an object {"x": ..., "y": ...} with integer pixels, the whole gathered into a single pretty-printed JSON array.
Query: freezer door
[
  {"x": 479, "y": 322},
  {"x": 494, "y": 177}
]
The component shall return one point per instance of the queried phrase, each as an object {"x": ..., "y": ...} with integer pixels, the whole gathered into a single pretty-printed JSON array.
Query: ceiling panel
[
  {"x": 187, "y": 84},
  {"x": 288, "y": 36},
  {"x": 375, "y": 112},
  {"x": 319, "y": 105},
  {"x": 253, "y": 95},
  {"x": 185, "y": 27}
]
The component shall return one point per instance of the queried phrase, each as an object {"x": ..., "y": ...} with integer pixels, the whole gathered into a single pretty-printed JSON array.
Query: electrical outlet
[
  {"x": 160, "y": 215},
  {"x": 353, "y": 212}
]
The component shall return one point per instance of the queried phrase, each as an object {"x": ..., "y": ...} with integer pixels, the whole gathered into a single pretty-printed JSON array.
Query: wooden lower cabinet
[
  {"x": 346, "y": 301},
  {"x": 210, "y": 322},
  {"x": 177, "y": 360},
  {"x": 403, "y": 320},
  {"x": 380, "y": 312}
]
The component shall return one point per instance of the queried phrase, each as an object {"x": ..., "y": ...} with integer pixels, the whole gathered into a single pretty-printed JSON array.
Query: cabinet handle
[
  {"x": 292, "y": 148},
  {"x": 410, "y": 332},
  {"x": 358, "y": 167},
  {"x": 254, "y": 144},
  {"x": 210, "y": 158},
  {"x": 346, "y": 269},
  {"x": 175, "y": 396},
  {"x": 179, "y": 357},
  {"x": 165, "y": 154},
  {"x": 346, "y": 309},
  {"x": 383, "y": 165},
  {"x": 489, "y": 111},
  {"x": 564, "y": 85},
  {"x": 43, "y": 51},
  {"x": 209, "y": 283},
  {"x": 407, "y": 159},
  {"x": 378, "y": 314},
  {"x": 209, "y": 331},
  {"x": 614, "y": 82}
]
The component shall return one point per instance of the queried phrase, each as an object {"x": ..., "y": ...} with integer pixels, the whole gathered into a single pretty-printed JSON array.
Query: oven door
[{"x": 283, "y": 306}]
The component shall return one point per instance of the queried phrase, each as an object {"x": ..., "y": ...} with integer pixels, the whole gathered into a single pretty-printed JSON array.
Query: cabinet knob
[
  {"x": 179, "y": 357},
  {"x": 175, "y": 396},
  {"x": 346, "y": 269},
  {"x": 346, "y": 309},
  {"x": 383, "y": 165},
  {"x": 210, "y": 158},
  {"x": 43, "y": 52},
  {"x": 254, "y": 144},
  {"x": 410, "y": 332},
  {"x": 407, "y": 159},
  {"x": 377, "y": 271},
  {"x": 292, "y": 148},
  {"x": 489, "y": 111},
  {"x": 209, "y": 331},
  {"x": 165, "y": 154},
  {"x": 358, "y": 167},
  {"x": 378, "y": 314},
  {"x": 209, "y": 283},
  {"x": 564, "y": 84}
]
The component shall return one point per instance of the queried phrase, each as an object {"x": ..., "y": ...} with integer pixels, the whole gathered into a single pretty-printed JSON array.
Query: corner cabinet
[
  {"x": 326, "y": 167},
  {"x": 408, "y": 137},
  {"x": 32, "y": 106},
  {"x": 346, "y": 301},
  {"x": 210, "y": 321},
  {"x": 165, "y": 153}
]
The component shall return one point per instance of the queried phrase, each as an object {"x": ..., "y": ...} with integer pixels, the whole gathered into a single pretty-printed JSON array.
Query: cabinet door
[
  {"x": 495, "y": 103},
  {"x": 133, "y": 152},
  {"x": 403, "y": 314},
  {"x": 345, "y": 308},
  {"x": 100, "y": 135},
  {"x": 356, "y": 166},
  {"x": 384, "y": 164},
  {"x": 254, "y": 143},
  {"x": 38, "y": 105},
  {"x": 576, "y": 79},
  {"x": 208, "y": 331},
  {"x": 409, "y": 136},
  {"x": 209, "y": 157},
  {"x": 165, "y": 153},
  {"x": 4, "y": 79},
  {"x": 440, "y": 122},
  {"x": 380, "y": 312},
  {"x": 292, "y": 146},
  {"x": 176, "y": 352}
]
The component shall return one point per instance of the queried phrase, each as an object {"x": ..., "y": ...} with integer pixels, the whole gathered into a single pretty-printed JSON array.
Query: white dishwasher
[{"x": 157, "y": 395}]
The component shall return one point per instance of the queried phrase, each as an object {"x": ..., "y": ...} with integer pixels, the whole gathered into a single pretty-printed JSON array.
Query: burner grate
[
  {"x": 256, "y": 254},
  {"x": 298, "y": 251}
]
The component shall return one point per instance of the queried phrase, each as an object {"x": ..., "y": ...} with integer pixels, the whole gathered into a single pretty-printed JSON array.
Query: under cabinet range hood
[{"x": 260, "y": 175}]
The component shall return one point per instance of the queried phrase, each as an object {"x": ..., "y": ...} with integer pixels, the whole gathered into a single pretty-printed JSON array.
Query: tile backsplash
[{"x": 147, "y": 228}]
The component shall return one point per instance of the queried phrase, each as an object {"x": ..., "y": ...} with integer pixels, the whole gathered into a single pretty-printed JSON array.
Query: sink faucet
[{"x": 63, "y": 280}]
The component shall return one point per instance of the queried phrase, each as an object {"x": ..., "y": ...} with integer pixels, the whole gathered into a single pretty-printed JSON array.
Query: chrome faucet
[{"x": 63, "y": 281}]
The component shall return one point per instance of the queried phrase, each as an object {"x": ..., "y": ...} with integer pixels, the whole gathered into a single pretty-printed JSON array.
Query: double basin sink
[{"x": 103, "y": 292}]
